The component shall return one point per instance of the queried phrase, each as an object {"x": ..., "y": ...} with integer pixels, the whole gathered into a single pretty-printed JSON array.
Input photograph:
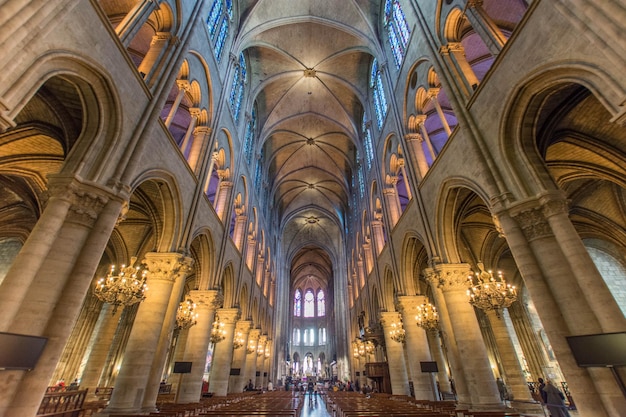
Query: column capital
[
  {"x": 207, "y": 298},
  {"x": 86, "y": 201},
  {"x": 409, "y": 303},
  {"x": 228, "y": 315},
  {"x": 432, "y": 93},
  {"x": 183, "y": 85},
  {"x": 202, "y": 130},
  {"x": 243, "y": 326},
  {"x": 417, "y": 137},
  {"x": 388, "y": 317},
  {"x": 254, "y": 334},
  {"x": 449, "y": 277},
  {"x": 168, "y": 266}
]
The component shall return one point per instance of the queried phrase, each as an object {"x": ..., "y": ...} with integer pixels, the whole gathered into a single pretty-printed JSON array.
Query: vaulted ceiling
[{"x": 309, "y": 72}]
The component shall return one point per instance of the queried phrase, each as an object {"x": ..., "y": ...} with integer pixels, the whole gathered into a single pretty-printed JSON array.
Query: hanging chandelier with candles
[
  {"x": 489, "y": 292},
  {"x": 397, "y": 332},
  {"x": 186, "y": 315},
  {"x": 427, "y": 316},
  {"x": 362, "y": 348},
  {"x": 218, "y": 332},
  {"x": 250, "y": 348},
  {"x": 124, "y": 287},
  {"x": 238, "y": 341},
  {"x": 260, "y": 350}
]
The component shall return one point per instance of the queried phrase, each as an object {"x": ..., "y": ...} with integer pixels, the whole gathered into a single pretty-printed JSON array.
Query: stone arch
[
  {"x": 453, "y": 191},
  {"x": 69, "y": 81},
  {"x": 202, "y": 250},
  {"x": 525, "y": 105},
  {"x": 166, "y": 209}
]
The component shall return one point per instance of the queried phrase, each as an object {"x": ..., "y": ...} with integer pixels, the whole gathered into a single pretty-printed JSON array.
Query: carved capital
[
  {"x": 533, "y": 223},
  {"x": 243, "y": 326},
  {"x": 414, "y": 137},
  {"x": 409, "y": 303},
  {"x": 206, "y": 299},
  {"x": 86, "y": 202},
  {"x": 449, "y": 277},
  {"x": 167, "y": 266},
  {"x": 228, "y": 315},
  {"x": 183, "y": 85}
]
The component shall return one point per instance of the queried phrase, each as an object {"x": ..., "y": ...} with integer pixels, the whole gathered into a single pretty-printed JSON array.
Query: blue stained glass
[
  {"x": 249, "y": 139},
  {"x": 237, "y": 87},
  {"x": 221, "y": 40},
  {"x": 397, "y": 30},
  {"x": 212, "y": 20},
  {"x": 229, "y": 8},
  {"x": 380, "y": 101}
]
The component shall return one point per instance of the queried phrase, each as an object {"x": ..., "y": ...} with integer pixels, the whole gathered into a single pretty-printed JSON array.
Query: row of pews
[
  {"x": 353, "y": 404},
  {"x": 254, "y": 403}
]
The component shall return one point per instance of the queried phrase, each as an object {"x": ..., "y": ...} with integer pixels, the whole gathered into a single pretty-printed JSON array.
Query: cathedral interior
[{"x": 206, "y": 193}]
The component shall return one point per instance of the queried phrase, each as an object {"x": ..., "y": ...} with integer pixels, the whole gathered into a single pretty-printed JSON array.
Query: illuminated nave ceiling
[{"x": 309, "y": 64}]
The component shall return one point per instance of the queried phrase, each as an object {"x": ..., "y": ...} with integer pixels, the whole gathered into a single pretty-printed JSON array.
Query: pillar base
[{"x": 527, "y": 407}]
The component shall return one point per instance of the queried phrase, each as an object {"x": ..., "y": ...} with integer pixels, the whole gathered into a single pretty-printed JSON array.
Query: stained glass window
[
  {"x": 321, "y": 304},
  {"x": 367, "y": 143},
  {"x": 248, "y": 147},
  {"x": 380, "y": 100},
  {"x": 217, "y": 23},
  {"x": 397, "y": 30},
  {"x": 237, "y": 87},
  {"x": 297, "y": 304},
  {"x": 309, "y": 304}
]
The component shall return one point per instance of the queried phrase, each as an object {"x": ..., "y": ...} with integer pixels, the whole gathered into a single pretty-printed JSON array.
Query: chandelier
[
  {"x": 489, "y": 292},
  {"x": 218, "y": 333},
  {"x": 362, "y": 349},
  {"x": 427, "y": 316},
  {"x": 238, "y": 341},
  {"x": 123, "y": 288},
  {"x": 186, "y": 316},
  {"x": 397, "y": 332},
  {"x": 250, "y": 348},
  {"x": 260, "y": 350}
]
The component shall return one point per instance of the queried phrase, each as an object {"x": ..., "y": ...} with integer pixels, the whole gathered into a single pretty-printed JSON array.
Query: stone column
[
  {"x": 418, "y": 158},
  {"x": 436, "y": 348},
  {"x": 198, "y": 339},
  {"x": 223, "y": 352},
  {"x": 183, "y": 87},
  {"x": 267, "y": 363},
  {"x": 222, "y": 198},
  {"x": 395, "y": 355},
  {"x": 260, "y": 360},
  {"x": 420, "y": 121},
  {"x": 560, "y": 304},
  {"x": 131, "y": 383},
  {"x": 432, "y": 96},
  {"x": 150, "y": 62},
  {"x": 253, "y": 340},
  {"x": 454, "y": 55},
  {"x": 134, "y": 20},
  {"x": 242, "y": 331},
  {"x": 449, "y": 343},
  {"x": 201, "y": 135},
  {"x": 240, "y": 227},
  {"x": 513, "y": 375},
  {"x": 600, "y": 300},
  {"x": 393, "y": 202},
  {"x": 250, "y": 251},
  {"x": 480, "y": 380},
  {"x": 417, "y": 344},
  {"x": 54, "y": 300},
  {"x": 486, "y": 28},
  {"x": 379, "y": 233},
  {"x": 100, "y": 346},
  {"x": 195, "y": 115}
]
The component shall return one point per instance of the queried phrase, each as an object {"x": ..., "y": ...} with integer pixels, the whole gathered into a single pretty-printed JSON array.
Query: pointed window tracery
[
  {"x": 237, "y": 87},
  {"x": 297, "y": 304},
  {"x": 309, "y": 304},
  {"x": 397, "y": 30},
  {"x": 380, "y": 100},
  {"x": 218, "y": 23}
]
